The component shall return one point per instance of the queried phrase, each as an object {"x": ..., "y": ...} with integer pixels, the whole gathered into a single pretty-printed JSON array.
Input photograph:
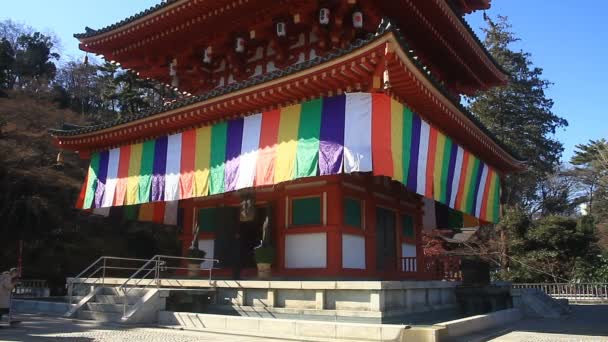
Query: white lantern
[
  {"x": 207, "y": 55},
  {"x": 281, "y": 29},
  {"x": 357, "y": 19},
  {"x": 324, "y": 16},
  {"x": 240, "y": 45}
]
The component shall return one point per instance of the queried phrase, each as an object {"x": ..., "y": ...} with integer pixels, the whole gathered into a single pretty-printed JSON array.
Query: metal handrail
[
  {"x": 101, "y": 268},
  {"x": 158, "y": 261}
]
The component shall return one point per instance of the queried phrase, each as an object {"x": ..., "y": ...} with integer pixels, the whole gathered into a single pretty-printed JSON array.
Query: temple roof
[
  {"x": 386, "y": 28},
  {"x": 455, "y": 53}
]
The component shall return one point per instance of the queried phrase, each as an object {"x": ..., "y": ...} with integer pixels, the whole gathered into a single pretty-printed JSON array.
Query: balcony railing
[
  {"x": 577, "y": 293},
  {"x": 435, "y": 267}
]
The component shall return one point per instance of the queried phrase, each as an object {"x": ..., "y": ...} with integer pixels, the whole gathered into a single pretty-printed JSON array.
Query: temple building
[{"x": 338, "y": 122}]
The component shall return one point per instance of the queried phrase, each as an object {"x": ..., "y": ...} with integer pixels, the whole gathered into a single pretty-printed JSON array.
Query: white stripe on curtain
[
  {"x": 112, "y": 178},
  {"x": 252, "y": 126},
  {"x": 174, "y": 154},
  {"x": 425, "y": 132},
  {"x": 357, "y": 133}
]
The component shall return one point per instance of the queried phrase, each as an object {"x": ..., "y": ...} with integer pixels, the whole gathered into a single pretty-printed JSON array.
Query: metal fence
[{"x": 574, "y": 292}]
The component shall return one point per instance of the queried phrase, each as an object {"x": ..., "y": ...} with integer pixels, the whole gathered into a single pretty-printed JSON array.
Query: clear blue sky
[{"x": 566, "y": 38}]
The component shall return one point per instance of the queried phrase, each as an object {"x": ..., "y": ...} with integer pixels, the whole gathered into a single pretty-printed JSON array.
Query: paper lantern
[
  {"x": 324, "y": 16},
  {"x": 281, "y": 29},
  {"x": 357, "y": 19}
]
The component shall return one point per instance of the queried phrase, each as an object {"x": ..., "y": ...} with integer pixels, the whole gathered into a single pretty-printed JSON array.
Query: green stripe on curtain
[
  {"x": 447, "y": 151},
  {"x": 147, "y": 163},
  {"x": 307, "y": 155},
  {"x": 407, "y": 141},
  {"x": 92, "y": 181},
  {"x": 218, "y": 157}
]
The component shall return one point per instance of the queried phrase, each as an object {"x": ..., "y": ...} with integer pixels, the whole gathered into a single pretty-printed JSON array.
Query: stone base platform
[{"x": 346, "y": 301}]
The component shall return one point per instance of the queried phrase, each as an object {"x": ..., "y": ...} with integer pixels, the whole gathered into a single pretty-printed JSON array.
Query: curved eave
[
  {"x": 335, "y": 74},
  {"x": 473, "y": 41}
]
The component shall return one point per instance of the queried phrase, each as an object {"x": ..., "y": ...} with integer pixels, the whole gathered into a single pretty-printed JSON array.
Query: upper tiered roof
[
  {"x": 355, "y": 68},
  {"x": 436, "y": 30}
]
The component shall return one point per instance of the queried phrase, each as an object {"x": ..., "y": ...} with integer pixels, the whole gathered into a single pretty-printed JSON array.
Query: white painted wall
[
  {"x": 353, "y": 251},
  {"x": 306, "y": 250},
  {"x": 408, "y": 251},
  {"x": 207, "y": 246}
]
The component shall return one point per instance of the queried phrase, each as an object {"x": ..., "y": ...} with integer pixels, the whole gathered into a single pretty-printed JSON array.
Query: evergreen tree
[{"x": 520, "y": 114}]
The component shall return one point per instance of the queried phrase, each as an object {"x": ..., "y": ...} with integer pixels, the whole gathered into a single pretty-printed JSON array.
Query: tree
[{"x": 520, "y": 115}]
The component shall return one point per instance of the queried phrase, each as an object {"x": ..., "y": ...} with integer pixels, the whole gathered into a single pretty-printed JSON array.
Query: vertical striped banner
[
  {"x": 331, "y": 146},
  {"x": 287, "y": 144},
  {"x": 269, "y": 135},
  {"x": 202, "y": 159},
  {"x": 217, "y": 158},
  {"x": 397, "y": 140},
  {"x": 112, "y": 178},
  {"x": 357, "y": 137},
  {"x": 252, "y": 126},
  {"x": 173, "y": 167},
  {"x": 234, "y": 140},
  {"x": 381, "y": 135},
  {"x": 307, "y": 154},
  {"x": 355, "y": 132}
]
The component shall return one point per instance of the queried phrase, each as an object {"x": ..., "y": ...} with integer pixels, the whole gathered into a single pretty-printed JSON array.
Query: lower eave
[{"x": 354, "y": 70}]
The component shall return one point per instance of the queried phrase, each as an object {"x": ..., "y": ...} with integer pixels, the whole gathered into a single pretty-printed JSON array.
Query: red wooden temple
[{"x": 342, "y": 126}]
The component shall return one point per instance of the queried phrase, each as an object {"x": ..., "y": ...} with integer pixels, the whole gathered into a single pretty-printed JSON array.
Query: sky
[{"x": 566, "y": 38}]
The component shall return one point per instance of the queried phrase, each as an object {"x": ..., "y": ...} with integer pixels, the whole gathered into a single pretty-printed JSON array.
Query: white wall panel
[
  {"x": 353, "y": 251},
  {"x": 306, "y": 250},
  {"x": 207, "y": 246}
]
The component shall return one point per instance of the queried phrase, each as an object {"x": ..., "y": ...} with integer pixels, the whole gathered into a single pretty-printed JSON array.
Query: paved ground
[
  {"x": 53, "y": 329},
  {"x": 586, "y": 323}
]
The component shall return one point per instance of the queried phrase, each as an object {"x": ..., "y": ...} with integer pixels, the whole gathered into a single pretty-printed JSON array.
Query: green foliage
[
  {"x": 264, "y": 255},
  {"x": 520, "y": 115}
]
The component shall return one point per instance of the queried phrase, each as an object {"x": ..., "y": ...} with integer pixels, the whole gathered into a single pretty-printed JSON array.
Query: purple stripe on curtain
[
  {"x": 331, "y": 145},
  {"x": 477, "y": 185},
  {"x": 159, "y": 170},
  {"x": 234, "y": 140},
  {"x": 102, "y": 175},
  {"x": 412, "y": 175},
  {"x": 451, "y": 170}
]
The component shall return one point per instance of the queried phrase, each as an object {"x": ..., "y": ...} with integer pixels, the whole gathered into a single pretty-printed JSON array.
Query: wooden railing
[
  {"x": 577, "y": 293},
  {"x": 440, "y": 267}
]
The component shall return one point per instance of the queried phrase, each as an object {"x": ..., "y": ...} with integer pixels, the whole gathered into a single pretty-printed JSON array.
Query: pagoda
[{"x": 338, "y": 123}]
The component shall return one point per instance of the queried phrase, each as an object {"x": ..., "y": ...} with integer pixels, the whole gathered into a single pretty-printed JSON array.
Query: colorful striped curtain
[{"x": 355, "y": 132}]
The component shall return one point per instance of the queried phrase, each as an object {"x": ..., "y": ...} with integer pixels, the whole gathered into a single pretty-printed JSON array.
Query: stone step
[
  {"x": 114, "y": 317},
  {"x": 102, "y": 307},
  {"x": 113, "y": 299},
  {"x": 114, "y": 291}
]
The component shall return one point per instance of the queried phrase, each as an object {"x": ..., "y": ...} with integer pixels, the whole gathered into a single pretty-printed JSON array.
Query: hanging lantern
[
  {"x": 240, "y": 45},
  {"x": 324, "y": 16},
  {"x": 357, "y": 19},
  {"x": 207, "y": 55},
  {"x": 281, "y": 29},
  {"x": 86, "y": 59}
]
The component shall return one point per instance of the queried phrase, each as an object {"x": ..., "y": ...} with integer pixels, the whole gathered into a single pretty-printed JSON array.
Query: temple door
[
  {"x": 225, "y": 236},
  {"x": 385, "y": 240}
]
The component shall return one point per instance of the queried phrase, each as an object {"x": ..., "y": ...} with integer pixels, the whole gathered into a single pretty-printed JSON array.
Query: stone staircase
[
  {"x": 107, "y": 304},
  {"x": 535, "y": 303}
]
